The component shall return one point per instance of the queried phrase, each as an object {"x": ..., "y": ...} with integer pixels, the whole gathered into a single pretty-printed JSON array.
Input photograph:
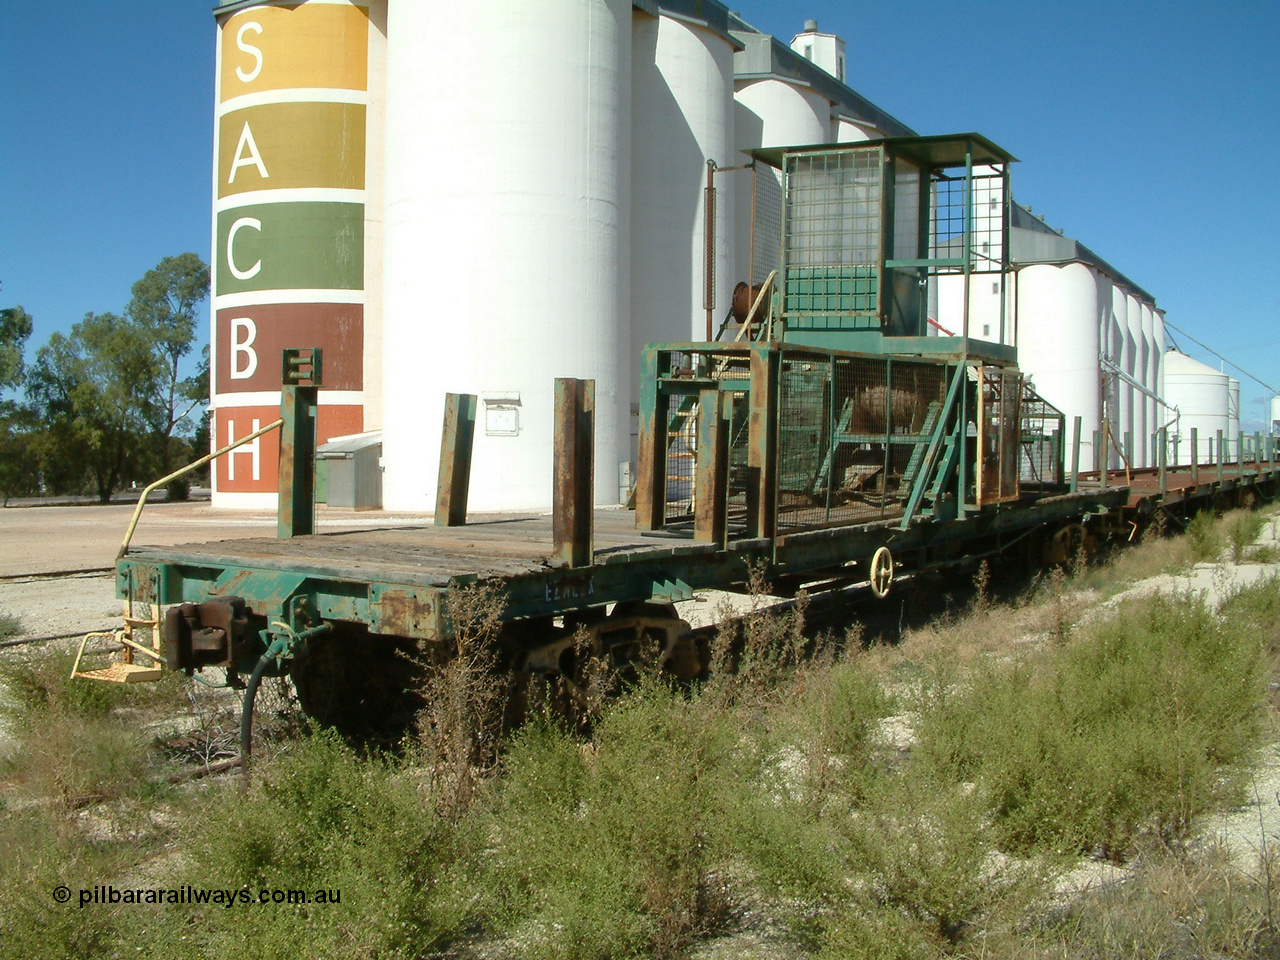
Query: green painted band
[{"x": 290, "y": 246}]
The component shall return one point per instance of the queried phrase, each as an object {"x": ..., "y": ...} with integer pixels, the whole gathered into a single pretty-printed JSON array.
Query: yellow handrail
[{"x": 142, "y": 500}]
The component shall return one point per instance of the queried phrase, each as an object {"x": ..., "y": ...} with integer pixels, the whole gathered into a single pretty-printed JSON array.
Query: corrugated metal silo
[{"x": 507, "y": 237}]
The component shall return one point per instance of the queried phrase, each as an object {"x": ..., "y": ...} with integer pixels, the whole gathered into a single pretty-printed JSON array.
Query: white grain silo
[
  {"x": 1200, "y": 393},
  {"x": 682, "y": 116},
  {"x": 850, "y": 130},
  {"x": 1151, "y": 381},
  {"x": 1141, "y": 345},
  {"x": 1058, "y": 341},
  {"x": 1127, "y": 349},
  {"x": 1233, "y": 418},
  {"x": 507, "y": 230},
  {"x": 772, "y": 111},
  {"x": 1111, "y": 345},
  {"x": 1164, "y": 415},
  {"x": 1275, "y": 415}
]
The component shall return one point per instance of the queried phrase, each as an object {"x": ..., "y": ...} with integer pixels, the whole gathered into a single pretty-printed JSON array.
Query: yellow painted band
[
  {"x": 288, "y": 47},
  {"x": 294, "y": 144}
]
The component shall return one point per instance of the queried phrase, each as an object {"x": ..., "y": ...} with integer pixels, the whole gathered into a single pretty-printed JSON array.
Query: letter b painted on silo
[{"x": 244, "y": 359}]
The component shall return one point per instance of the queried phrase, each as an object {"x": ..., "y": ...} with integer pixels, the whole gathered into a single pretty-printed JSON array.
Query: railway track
[{"x": 56, "y": 574}]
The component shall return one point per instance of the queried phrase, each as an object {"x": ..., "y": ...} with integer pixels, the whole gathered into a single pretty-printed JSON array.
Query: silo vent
[{"x": 811, "y": 26}]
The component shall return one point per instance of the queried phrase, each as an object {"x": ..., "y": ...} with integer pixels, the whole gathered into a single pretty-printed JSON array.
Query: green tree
[
  {"x": 94, "y": 392},
  {"x": 163, "y": 306},
  {"x": 16, "y": 423},
  {"x": 15, "y": 329}
]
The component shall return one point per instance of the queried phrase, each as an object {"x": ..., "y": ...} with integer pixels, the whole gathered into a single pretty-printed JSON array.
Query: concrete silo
[
  {"x": 1111, "y": 344},
  {"x": 295, "y": 252},
  {"x": 1200, "y": 394},
  {"x": 1058, "y": 343},
  {"x": 1141, "y": 347},
  {"x": 1163, "y": 414},
  {"x": 1124, "y": 358},
  {"x": 1233, "y": 418},
  {"x": 849, "y": 130},
  {"x": 682, "y": 117},
  {"x": 507, "y": 237},
  {"x": 1150, "y": 380}
]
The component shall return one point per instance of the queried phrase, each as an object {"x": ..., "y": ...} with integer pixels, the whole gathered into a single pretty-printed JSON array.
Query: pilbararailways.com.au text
[{"x": 109, "y": 894}]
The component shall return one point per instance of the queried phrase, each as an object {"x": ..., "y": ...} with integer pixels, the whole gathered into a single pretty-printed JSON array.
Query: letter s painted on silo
[
  {"x": 250, "y": 49},
  {"x": 231, "y": 242}
]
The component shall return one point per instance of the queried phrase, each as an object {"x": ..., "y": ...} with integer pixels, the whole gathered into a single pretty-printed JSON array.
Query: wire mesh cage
[
  {"x": 852, "y": 433},
  {"x": 999, "y": 434},
  {"x": 833, "y": 245},
  {"x": 1043, "y": 430},
  {"x": 698, "y": 369}
]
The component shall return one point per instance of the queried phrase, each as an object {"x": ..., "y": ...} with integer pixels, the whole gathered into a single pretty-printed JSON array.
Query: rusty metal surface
[
  {"x": 301, "y": 373},
  {"x": 573, "y": 486},
  {"x": 456, "y": 441},
  {"x": 404, "y": 612},
  {"x": 712, "y": 471}
]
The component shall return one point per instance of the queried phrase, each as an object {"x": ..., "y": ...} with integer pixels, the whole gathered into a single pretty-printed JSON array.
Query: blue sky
[{"x": 1144, "y": 129}]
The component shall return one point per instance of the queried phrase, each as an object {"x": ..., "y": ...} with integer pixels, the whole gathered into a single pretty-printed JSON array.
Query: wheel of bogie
[
  {"x": 1068, "y": 542},
  {"x": 359, "y": 683},
  {"x": 1159, "y": 524},
  {"x": 881, "y": 572}
]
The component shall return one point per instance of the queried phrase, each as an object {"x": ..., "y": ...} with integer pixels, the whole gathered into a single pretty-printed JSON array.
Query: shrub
[
  {"x": 1243, "y": 528},
  {"x": 74, "y": 744},
  {"x": 610, "y": 850},
  {"x": 41, "y": 854},
  {"x": 1132, "y": 728},
  {"x": 320, "y": 818},
  {"x": 1204, "y": 537}
]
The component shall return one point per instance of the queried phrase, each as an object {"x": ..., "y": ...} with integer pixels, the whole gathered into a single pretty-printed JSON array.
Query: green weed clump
[
  {"x": 1242, "y": 528},
  {"x": 610, "y": 849},
  {"x": 75, "y": 745},
  {"x": 320, "y": 818},
  {"x": 1129, "y": 730},
  {"x": 41, "y": 854},
  {"x": 1172, "y": 906},
  {"x": 1204, "y": 537},
  {"x": 10, "y": 626}
]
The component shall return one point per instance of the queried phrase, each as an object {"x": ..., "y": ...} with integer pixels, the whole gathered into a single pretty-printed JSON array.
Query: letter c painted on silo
[{"x": 231, "y": 240}]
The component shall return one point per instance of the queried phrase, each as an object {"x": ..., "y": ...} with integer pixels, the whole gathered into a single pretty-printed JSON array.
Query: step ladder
[{"x": 126, "y": 669}]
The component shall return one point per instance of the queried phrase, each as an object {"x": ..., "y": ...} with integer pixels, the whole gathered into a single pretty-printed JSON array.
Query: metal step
[{"x": 123, "y": 673}]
